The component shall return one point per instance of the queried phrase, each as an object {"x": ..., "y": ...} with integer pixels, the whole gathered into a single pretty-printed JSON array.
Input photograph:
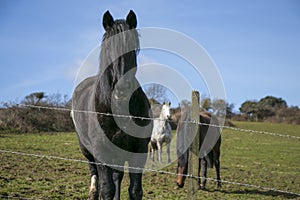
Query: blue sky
[{"x": 255, "y": 44}]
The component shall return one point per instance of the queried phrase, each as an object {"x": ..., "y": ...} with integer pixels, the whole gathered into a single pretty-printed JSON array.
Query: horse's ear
[
  {"x": 163, "y": 103},
  {"x": 131, "y": 19},
  {"x": 169, "y": 103},
  {"x": 107, "y": 21}
]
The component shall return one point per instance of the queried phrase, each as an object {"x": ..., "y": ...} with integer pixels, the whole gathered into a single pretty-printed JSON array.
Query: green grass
[{"x": 262, "y": 160}]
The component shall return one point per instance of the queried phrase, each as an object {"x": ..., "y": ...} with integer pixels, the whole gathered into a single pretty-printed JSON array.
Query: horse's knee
[
  {"x": 135, "y": 193},
  {"x": 107, "y": 192}
]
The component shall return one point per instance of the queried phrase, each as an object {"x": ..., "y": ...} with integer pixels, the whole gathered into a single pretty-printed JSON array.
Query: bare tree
[
  {"x": 34, "y": 98},
  {"x": 156, "y": 92}
]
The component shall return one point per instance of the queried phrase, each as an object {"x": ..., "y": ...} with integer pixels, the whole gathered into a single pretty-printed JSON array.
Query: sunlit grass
[{"x": 261, "y": 160}]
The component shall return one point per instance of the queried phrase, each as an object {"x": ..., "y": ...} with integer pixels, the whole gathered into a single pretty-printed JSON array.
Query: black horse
[
  {"x": 210, "y": 159},
  {"x": 107, "y": 138}
]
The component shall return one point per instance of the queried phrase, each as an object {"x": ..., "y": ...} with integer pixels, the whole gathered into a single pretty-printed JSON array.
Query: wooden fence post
[{"x": 195, "y": 146}]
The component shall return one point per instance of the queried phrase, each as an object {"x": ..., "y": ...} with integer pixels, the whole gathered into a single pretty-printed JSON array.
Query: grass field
[{"x": 262, "y": 160}]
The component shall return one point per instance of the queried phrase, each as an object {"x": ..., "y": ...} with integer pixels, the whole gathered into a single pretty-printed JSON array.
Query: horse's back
[
  {"x": 83, "y": 94},
  {"x": 83, "y": 109}
]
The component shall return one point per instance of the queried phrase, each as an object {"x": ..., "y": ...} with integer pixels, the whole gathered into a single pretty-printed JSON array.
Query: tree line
[
  {"x": 18, "y": 118},
  {"x": 268, "y": 109}
]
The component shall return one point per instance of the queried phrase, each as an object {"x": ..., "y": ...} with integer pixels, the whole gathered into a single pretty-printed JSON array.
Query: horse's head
[
  {"x": 182, "y": 146},
  {"x": 119, "y": 50},
  {"x": 182, "y": 169},
  {"x": 165, "y": 110}
]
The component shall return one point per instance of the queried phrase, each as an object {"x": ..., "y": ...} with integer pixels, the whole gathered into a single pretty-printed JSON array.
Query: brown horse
[{"x": 211, "y": 156}]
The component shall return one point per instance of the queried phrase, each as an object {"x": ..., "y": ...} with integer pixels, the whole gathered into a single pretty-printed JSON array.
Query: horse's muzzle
[{"x": 180, "y": 185}]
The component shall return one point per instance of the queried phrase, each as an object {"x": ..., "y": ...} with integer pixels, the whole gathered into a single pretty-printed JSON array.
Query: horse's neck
[
  {"x": 162, "y": 120},
  {"x": 105, "y": 86},
  {"x": 162, "y": 117}
]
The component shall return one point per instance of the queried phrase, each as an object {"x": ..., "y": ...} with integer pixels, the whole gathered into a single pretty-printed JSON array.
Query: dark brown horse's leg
[
  {"x": 216, "y": 155},
  {"x": 107, "y": 186},
  {"x": 118, "y": 176},
  {"x": 217, "y": 165},
  {"x": 204, "y": 173},
  {"x": 168, "y": 151},
  {"x": 199, "y": 170}
]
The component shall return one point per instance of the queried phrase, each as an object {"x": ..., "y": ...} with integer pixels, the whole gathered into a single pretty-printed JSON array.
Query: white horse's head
[{"x": 165, "y": 111}]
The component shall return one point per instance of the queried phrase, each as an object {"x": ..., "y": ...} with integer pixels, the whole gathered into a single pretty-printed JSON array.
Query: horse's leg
[
  {"x": 168, "y": 151},
  {"x": 135, "y": 189},
  {"x": 136, "y": 165},
  {"x": 217, "y": 165},
  {"x": 199, "y": 170},
  {"x": 216, "y": 153},
  {"x": 204, "y": 173},
  {"x": 117, "y": 177},
  {"x": 152, "y": 150},
  {"x": 107, "y": 186},
  {"x": 94, "y": 187},
  {"x": 159, "y": 149}
]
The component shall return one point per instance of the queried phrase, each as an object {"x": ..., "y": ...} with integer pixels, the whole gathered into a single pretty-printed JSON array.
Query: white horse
[{"x": 161, "y": 133}]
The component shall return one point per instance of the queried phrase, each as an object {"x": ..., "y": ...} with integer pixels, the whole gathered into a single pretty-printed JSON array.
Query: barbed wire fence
[
  {"x": 147, "y": 169},
  {"x": 149, "y": 118}
]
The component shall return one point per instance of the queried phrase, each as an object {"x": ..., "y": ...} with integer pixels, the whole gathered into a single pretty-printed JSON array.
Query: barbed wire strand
[
  {"x": 150, "y": 170},
  {"x": 13, "y": 197},
  {"x": 148, "y": 118}
]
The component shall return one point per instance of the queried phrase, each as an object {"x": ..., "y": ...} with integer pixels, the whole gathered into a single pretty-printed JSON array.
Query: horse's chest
[
  {"x": 109, "y": 126},
  {"x": 114, "y": 133}
]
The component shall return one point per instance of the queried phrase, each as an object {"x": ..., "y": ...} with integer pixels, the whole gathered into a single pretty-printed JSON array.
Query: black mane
[
  {"x": 119, "y": 48},
  {"x": 117, "y": 41}
]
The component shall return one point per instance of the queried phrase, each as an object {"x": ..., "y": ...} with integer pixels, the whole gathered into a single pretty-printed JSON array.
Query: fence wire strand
[
  {"x": 150, "y": 170},
  {"x": 13, "y": 197},
  {"x": 148, "y": 118}
]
